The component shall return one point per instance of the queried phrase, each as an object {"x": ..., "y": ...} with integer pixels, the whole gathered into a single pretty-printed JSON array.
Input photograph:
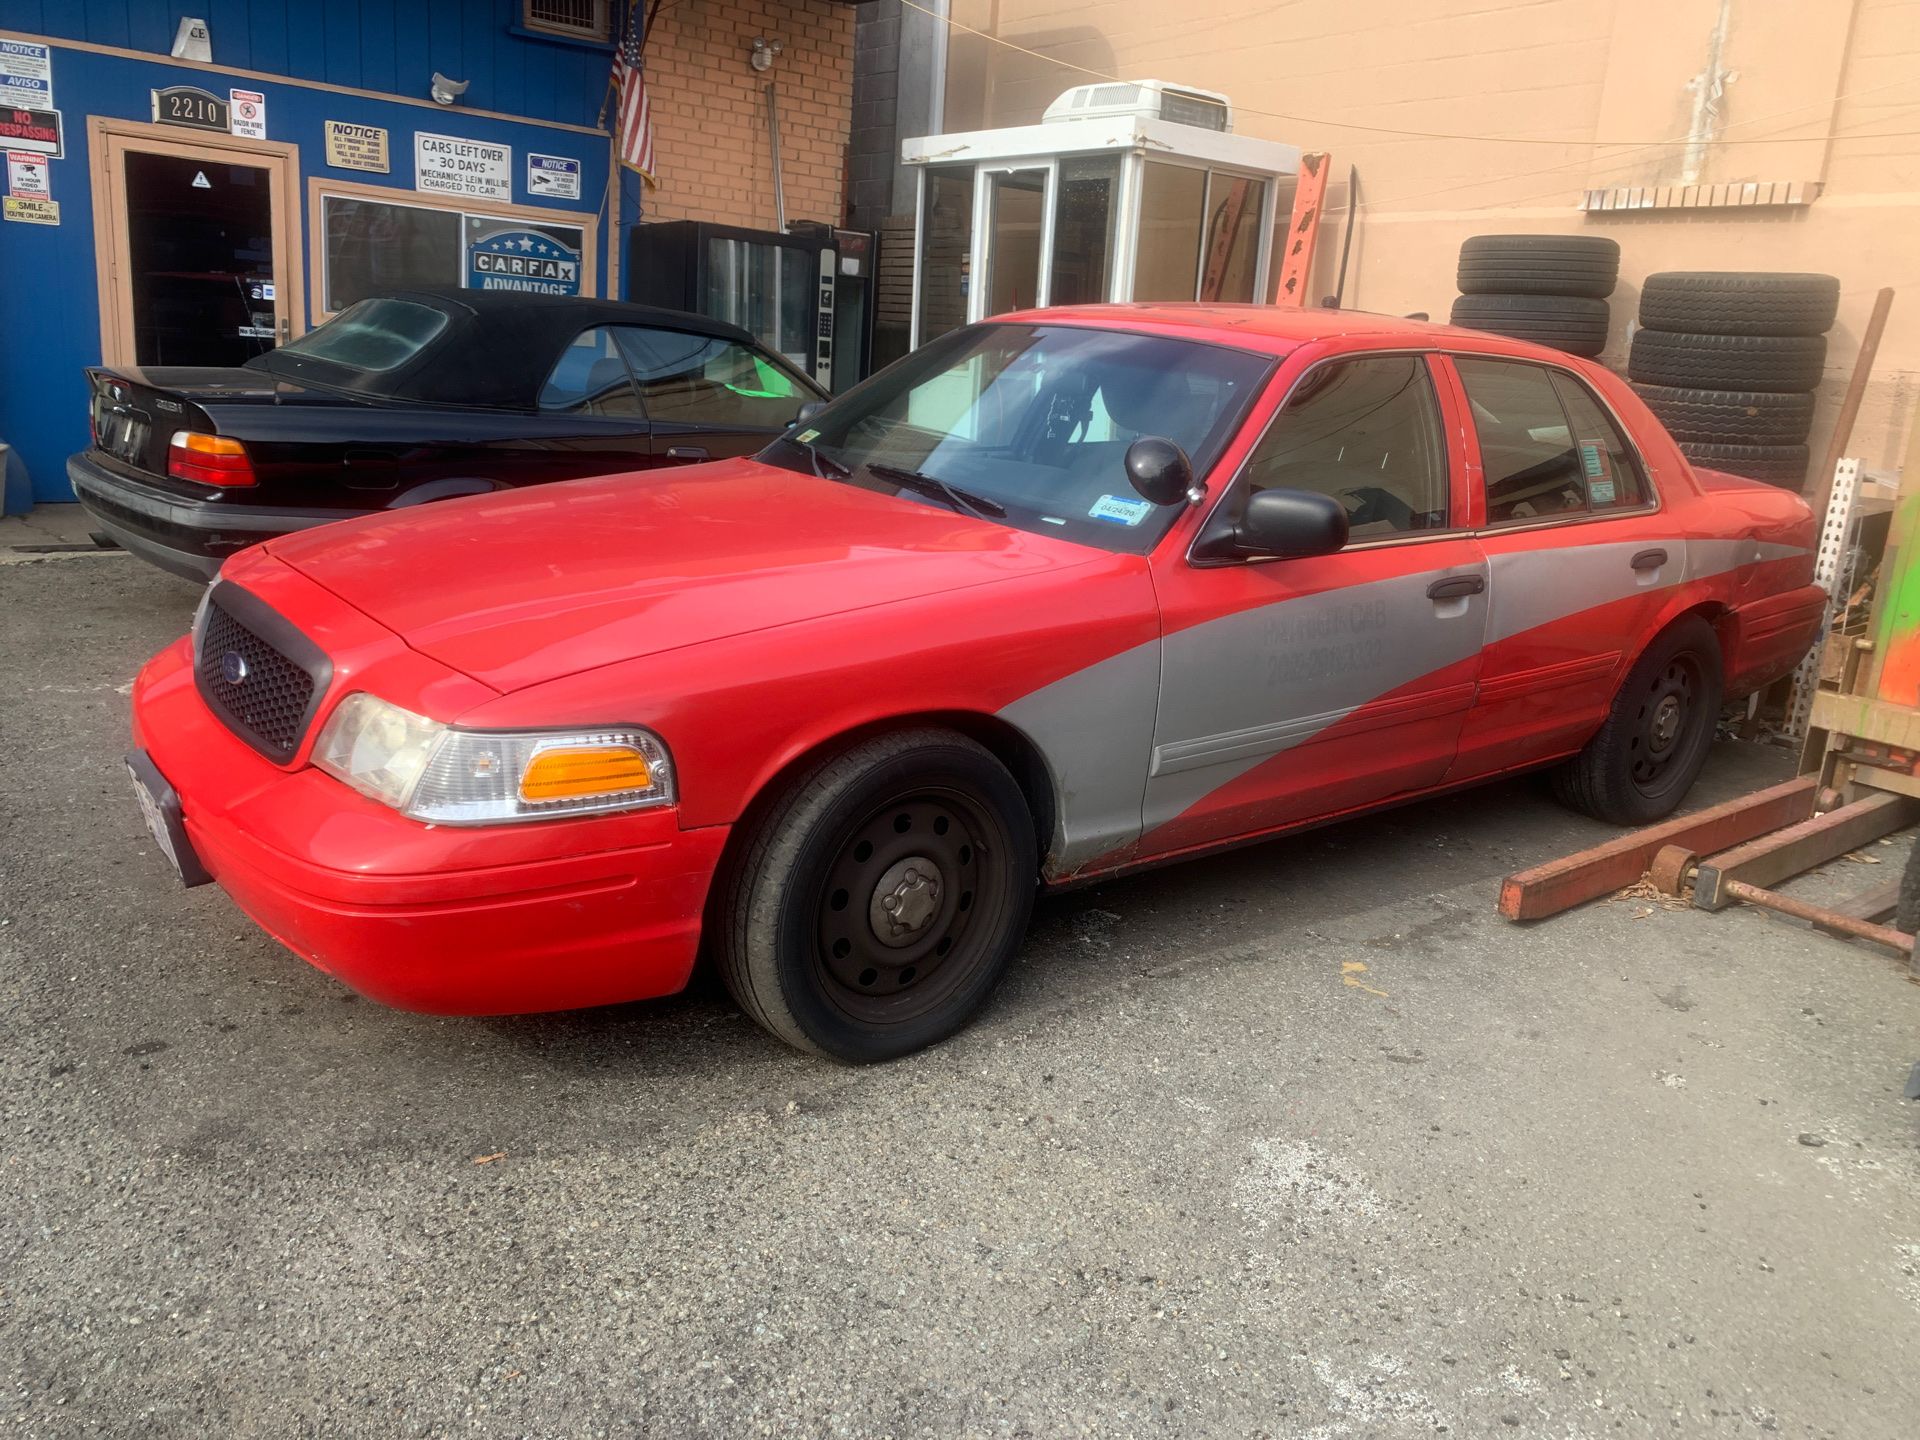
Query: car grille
[{"x": 271, "y": 699}]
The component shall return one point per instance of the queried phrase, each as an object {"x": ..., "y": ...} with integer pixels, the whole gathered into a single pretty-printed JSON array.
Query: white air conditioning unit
[{"x": 1155, "y": 99}]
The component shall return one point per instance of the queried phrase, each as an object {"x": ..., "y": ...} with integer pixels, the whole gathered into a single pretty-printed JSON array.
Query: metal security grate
[
  {"x": 586, "y": 19},
  {"x": 252, "y": 686}
]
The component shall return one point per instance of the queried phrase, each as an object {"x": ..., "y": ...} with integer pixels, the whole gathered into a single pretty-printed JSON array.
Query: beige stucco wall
[{"x": 1596, "y": 80}]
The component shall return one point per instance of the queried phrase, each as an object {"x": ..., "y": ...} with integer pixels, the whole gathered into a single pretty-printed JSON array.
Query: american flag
[{"x": 633, "y": 127}]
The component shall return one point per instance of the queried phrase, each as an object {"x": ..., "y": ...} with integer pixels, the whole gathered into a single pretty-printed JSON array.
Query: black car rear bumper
[{"x": 192, "y": 538}]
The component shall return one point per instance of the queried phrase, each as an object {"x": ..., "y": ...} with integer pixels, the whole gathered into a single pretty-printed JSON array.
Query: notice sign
[
  {"x": 554, "y": 176},
  {"x": 476, "y": 169},
  {"x": 32, "y": 211},
  {"x": 247, "y": 111},
  {"x": 26, "y": 74},
  {"x": 519, "y": 259},
  {"x": 27, "y": 174},
  {"x": 31, "y": 130},
  {"x": 356, "y": 147}
]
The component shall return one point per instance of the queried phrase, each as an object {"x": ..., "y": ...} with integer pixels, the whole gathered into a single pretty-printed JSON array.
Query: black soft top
[{"x": 497, "y": 350}]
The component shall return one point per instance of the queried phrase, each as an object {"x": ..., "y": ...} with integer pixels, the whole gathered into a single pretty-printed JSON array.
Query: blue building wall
[{"x": 49, "y": 292}]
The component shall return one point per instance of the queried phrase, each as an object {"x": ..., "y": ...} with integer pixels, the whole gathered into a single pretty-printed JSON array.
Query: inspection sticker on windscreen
[{"x": 1120, "y": 511}]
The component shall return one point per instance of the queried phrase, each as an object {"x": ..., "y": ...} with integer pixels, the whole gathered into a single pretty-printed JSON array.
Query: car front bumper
[
  {"x": 442, "y": 919},
  {"x": 190, "y": 538}
]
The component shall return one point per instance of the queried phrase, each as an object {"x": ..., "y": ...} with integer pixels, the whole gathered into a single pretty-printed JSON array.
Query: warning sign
[
  {"x": 247, "y": 113},
  {"x": 27, "y": 174},
  {"x": 24, "y": 129},
  {"x": 448, "y": 165},
  {"x": 356, "y": 147}
]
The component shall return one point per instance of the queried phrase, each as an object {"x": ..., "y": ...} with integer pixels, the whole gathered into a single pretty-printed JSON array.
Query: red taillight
[{"x": 209, "y": 460}]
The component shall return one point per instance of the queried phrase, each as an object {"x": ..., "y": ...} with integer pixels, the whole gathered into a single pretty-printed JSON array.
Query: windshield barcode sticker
[{"x": 1120, "y": 511}]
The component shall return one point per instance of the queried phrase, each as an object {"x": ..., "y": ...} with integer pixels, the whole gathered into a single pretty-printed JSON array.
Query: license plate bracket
[{"x": 160, "y": 804}]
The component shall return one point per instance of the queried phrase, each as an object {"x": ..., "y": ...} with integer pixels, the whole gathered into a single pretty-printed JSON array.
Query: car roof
[
  {"x": 497, "y": 348},
  {"x": 1269, "y": 329}
]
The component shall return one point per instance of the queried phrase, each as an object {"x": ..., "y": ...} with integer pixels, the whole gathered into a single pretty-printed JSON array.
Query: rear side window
[
  {"x": 372, "y": 336},
  {"x": 1367, "y": 432},
  {"x": 706, "y": 380},
  {"x": 1547, "y": 448},
  {"x": 591, "y": 378}
]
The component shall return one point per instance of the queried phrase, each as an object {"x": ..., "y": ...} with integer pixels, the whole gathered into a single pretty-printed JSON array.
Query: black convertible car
[{"x": 417, "y": 396}]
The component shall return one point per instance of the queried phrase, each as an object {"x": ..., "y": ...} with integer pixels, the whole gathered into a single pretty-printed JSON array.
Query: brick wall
[{"x": 710, "y": 110}]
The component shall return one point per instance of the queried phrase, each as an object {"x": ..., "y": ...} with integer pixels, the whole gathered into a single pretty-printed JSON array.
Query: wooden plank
[
  {"x": 1870, "y": 905},
  {"x": 1573, "y": 879},
  {"x": 1773, "y": 858}
]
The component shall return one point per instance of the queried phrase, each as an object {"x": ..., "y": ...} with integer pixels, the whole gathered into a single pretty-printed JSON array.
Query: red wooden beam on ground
[{"x": 1561, "y": 884}]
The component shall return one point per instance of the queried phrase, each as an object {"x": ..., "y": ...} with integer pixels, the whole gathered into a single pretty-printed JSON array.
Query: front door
[
  {"x": 199, "y": 235},
  {"x": 1297, "y": 689}
]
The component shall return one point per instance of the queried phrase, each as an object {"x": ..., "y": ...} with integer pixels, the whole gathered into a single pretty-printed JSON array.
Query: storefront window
[
  {"x": 946, "y": 241},
  {"x": 374, "y": 247},
  {"x": 1083, "y": 229},
  {"x": 1172, "y": 199}
]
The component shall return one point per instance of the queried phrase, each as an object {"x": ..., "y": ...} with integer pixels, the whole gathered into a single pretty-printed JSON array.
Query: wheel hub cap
[
  {"x": 1666, "y": 721},
  {"x": 905, "y": 901}
]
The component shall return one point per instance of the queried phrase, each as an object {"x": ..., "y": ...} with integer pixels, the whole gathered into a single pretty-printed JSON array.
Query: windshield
[
  {"x": 1034, "y": 420},
  {"x": 371, "y": 336}
]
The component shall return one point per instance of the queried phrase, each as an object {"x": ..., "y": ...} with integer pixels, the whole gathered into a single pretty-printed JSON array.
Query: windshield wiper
[
  {"x": 825, "y": 467},
  {"x": 936, "y": 488}
]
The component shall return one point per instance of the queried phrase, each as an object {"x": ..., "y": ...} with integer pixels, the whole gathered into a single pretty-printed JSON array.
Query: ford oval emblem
[{"x": 233, "y": 667}]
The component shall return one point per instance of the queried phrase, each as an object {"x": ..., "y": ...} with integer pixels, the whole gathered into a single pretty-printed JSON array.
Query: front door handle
[
  {"x": 1649, "y": 559},
  {"x": 1454, "y": 586},
  {"x": 687, "y": 452}
]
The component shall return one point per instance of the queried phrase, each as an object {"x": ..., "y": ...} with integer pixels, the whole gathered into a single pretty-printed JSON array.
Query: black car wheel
[
  {"x": 1647, "y": 753},
  {"x": 882, "y": 897}
]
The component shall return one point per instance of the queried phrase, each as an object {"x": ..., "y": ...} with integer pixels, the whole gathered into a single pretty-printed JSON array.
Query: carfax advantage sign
[
  {"x": 515, "y": 258},
  {"x": 475, "y": 169}
]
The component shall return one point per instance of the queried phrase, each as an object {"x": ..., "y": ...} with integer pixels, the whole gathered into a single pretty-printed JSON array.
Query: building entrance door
[{"x": 198, "y": 238}]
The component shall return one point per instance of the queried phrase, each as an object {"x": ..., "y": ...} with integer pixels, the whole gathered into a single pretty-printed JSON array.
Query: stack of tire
[
  {"x": 1550, "y": 289},
  {"x": 1729, "y": 360}
]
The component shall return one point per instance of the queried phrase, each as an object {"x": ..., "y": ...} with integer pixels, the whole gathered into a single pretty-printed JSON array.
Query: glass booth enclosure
[{"x": 1083, "y": 211}]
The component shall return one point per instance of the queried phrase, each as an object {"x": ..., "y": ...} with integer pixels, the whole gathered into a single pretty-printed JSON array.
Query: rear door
[
  {"x": 1295, "y": 689},
  {"x": 709, "y": 397},
  {"x": 1578, "y": 558}
]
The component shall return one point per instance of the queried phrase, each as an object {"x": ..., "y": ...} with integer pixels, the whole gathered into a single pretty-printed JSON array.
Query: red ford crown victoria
[{"x": 1054, "y": 597}]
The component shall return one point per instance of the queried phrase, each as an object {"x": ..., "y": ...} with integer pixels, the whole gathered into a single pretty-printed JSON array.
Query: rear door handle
[
  {"x": 1649, "y": 559},
  {"x": 1453, "y": 587},
  {"x": 687, "y": 452}
]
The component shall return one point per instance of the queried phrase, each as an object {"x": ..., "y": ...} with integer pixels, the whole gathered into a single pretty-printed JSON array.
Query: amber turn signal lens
[{"x": 573, "y": 772}]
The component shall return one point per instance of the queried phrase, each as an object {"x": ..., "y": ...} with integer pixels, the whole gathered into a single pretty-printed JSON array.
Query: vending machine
[{"x": 806, "y": 294}]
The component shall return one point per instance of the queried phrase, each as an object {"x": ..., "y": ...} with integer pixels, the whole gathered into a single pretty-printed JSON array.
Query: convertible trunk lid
[
  {"x": 525, "y": 586},
  {"x": 136, "y": 410}
]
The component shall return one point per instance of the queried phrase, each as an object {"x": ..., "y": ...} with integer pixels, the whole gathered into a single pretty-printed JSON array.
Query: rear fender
[{"x": 446, "y": 489}]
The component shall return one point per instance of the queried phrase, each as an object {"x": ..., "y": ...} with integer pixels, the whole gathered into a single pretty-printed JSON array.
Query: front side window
[
  {"x": 590, "y": 378},
  {"x": 1546, "y": 447},
  {"x": 704, "y": 380},
  {"x": 1368, "y": 433},
  {"x": 1035, "y": 421}
]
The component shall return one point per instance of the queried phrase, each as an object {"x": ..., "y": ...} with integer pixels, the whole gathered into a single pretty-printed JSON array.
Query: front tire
[
  {"x": 1646, "y": 755},
  {"x": 881, "y": 898}
]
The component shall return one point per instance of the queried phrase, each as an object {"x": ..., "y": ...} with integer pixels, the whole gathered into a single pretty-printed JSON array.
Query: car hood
[{"x": 527, "y": 585}]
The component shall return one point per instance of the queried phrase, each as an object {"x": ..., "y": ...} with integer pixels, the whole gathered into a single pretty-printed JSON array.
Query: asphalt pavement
[{"x": 1296, "y": 1141}]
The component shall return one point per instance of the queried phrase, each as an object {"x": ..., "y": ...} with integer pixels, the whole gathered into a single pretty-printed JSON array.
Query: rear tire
[
  {"x": 1646, "y": 755},
  {"x": 881, "y": 898},
  {"x": 1906, "y": 915}
]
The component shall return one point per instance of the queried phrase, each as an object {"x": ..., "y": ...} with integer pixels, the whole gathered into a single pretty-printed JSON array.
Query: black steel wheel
[
  {"x": 882, "y": 898},
  {"x": 1647, "y": 753}
]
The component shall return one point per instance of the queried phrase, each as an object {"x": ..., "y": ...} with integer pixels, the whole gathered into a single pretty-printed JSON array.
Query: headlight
[{"x": 435, "y": 773}]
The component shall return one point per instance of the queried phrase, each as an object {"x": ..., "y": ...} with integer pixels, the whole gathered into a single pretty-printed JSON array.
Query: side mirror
[
  {"x": 1290, "y": 524},
  {"x": 1159, "y": 471},
  {"x": 807, "y": 412}
]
